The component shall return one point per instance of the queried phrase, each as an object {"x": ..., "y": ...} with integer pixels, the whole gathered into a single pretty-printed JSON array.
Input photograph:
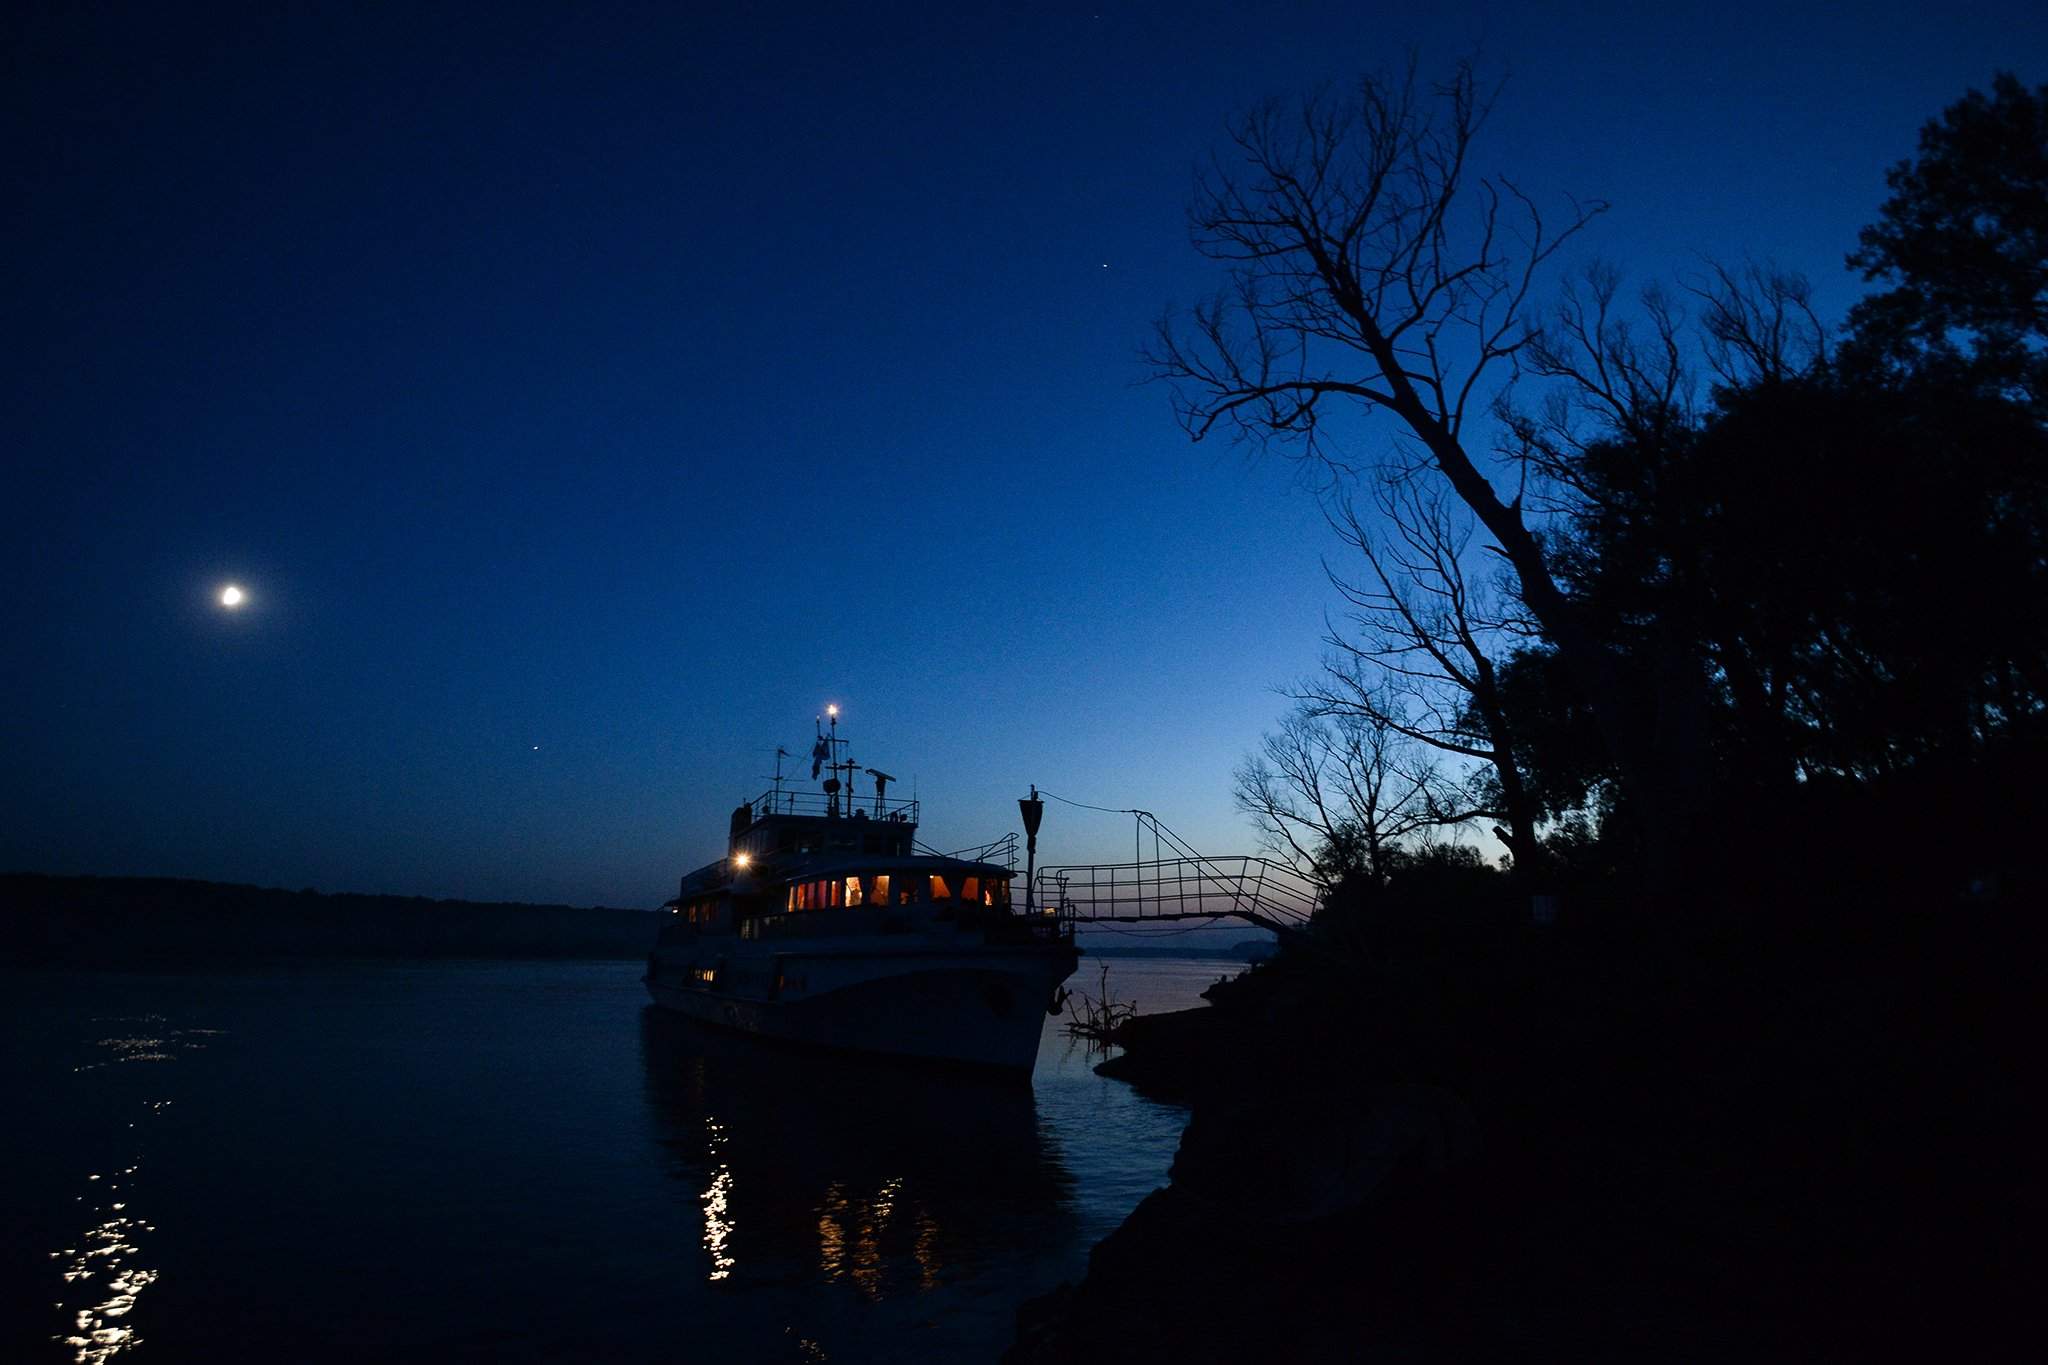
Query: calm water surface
[{"x": 513, "y": 1161}]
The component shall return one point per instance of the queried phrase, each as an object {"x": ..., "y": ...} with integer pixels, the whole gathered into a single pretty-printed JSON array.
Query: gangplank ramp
[{"x": 1257, "y": 890}]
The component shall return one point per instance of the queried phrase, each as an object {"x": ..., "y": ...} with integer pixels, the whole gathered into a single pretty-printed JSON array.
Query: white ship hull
[
  {"x": 826, "y": 924},
  {"x": 986, "y": 1007}
]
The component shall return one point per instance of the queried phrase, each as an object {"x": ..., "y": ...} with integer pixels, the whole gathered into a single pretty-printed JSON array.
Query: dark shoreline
[
  {"x": 1740, "y": 1141},
  {"x": 166, "y": 921}
]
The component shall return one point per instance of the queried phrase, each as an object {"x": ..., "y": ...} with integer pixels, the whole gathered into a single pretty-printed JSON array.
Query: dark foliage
[
  {"x": 1850, "y": 551},
  {"x": 1794, "y": 1128},
  {"x": 1828, "y": 569},
  {"x": 1859, "y": 569},
  {"x": 1963, "y": 243}
]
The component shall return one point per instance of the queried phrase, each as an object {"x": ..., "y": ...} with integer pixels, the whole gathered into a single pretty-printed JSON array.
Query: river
[{"x": 523, "y": 1162}]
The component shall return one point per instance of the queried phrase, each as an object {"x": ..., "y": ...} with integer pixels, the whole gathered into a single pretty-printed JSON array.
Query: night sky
[{"x": 585, "y": 399}]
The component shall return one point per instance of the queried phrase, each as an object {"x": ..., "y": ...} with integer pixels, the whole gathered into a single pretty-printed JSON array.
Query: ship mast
[{"x": 829, "y": 748}]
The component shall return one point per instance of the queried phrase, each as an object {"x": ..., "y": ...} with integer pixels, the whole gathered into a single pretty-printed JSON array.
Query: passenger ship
[{"x": 824, "y": 925}]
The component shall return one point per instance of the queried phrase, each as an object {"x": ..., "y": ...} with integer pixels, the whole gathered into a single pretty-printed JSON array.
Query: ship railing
[
  {"x": 1001, "y": 851},
  {"x": 1259, "y": 890},
  {"x": 820, "y": 803}
]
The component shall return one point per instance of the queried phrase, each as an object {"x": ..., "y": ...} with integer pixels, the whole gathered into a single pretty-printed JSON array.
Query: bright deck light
[
  {"x": 742, "y": 859},
  {"x": 232, "y": 596},
  {"x": 832, "y": 708}
]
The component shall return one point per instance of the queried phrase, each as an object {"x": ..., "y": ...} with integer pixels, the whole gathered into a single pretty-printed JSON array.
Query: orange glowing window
[
  {"x": 970, "y": 888},
  {"x": 832, "y": 891},
  {"x": 853, "y": 891},
  {"x": 792, "y": 899},
  {"x": 881, "y": 888},
  {"x": 940, "y": 891}
]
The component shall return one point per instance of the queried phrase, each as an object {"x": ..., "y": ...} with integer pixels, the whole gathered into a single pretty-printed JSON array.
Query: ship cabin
[
  {"x": 877, "y": 896},
  {"x": 779, "y": 826},
  {"x": 793, "y": 854}
]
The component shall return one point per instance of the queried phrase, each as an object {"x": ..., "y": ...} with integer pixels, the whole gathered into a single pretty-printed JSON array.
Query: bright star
[{"x": 232, "y": 596}]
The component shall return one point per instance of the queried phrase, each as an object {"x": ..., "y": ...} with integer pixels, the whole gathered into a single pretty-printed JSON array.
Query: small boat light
[{"x": 742, "y": 859}]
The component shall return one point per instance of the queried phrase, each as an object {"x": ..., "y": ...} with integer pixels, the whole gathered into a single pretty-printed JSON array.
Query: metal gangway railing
[
  {"x": 1177, "y": 883},
  {"x": 1003, "y": 851},
  {"x": 1259, "y": 890}
]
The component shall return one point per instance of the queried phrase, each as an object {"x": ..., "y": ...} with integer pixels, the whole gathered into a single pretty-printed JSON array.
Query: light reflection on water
[
  {"x": 888, "y": 1180},
  {"x": 98, "y": 1333},
  {"x": 102, "y": 1282},
  {"x": 718, "y": 1206},
  {"x": 861, "y": 1223},
  {"x": 149, "y": 1049},
  {"x": 518, "y": 1161}
]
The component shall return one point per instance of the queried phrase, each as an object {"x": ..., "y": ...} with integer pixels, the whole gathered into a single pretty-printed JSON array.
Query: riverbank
[
  {"x": 1726, "y": 1141},
  {"x": 142, "y": 921}
]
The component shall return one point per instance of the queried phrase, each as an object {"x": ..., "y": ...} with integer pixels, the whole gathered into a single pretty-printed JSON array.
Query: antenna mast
[{"x": 831, "y": 745}]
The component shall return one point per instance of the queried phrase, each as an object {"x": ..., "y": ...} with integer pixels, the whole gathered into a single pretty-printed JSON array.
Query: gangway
[{"x": 1177, "y": 883}]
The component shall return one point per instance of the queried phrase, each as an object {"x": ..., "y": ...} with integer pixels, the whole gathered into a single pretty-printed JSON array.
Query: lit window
[
  {"x": 792, "y": 899},
  {"x": 853, "y": 891},
  {"x": 832, "y": 890},
  {"x": 970, "y": 888},
  {"x": 940, "y": 891},
  {"x": 881, "y": 888}
]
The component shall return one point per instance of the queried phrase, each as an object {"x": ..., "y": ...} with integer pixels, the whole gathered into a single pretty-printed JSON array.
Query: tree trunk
[
  {"x": 1655, "y": 731},
  {"x": 1518, "y": 807}
]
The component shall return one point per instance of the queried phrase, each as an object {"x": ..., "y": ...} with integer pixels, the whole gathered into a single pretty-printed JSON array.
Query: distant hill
[{"x": 139, "y": 921}]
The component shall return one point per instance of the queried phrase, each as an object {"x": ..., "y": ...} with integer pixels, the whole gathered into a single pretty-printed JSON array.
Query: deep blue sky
[{"x": 629, "y": 383}]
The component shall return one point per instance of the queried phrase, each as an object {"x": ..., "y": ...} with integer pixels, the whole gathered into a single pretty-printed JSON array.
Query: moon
[{"x": 232, "y": 596}]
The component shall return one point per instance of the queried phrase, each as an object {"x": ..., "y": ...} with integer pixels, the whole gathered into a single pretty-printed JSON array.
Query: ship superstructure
[{"x": 825, "y": 924}]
